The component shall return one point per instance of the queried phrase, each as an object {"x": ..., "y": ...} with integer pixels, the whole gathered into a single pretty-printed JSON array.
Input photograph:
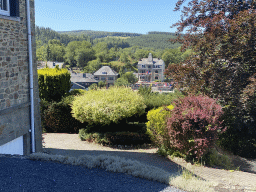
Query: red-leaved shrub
[{"x": 194, "y": 125}]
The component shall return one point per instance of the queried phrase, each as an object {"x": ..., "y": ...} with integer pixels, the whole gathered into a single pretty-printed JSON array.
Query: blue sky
[{"x": 136, "y": 16}]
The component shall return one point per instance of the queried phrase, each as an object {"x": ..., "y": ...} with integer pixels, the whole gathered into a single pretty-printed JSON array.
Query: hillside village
[
  {"x": 189, "y": 104},
  {"x": 150, "y": 72}
]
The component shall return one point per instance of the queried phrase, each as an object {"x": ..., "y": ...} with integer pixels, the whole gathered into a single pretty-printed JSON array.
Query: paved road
[{"x": 20, "y": 174}]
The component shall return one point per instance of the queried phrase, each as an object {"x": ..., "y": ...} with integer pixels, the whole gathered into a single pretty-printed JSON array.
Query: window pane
[{"x": 3, "y": 5}]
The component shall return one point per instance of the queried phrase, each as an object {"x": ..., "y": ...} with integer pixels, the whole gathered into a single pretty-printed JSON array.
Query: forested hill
[
  {"x": 45, "y": 34},
  {"x": 152, "y": 40},
  {"x": 99, "y": 34},
  {"x": 155, "y": 40}
]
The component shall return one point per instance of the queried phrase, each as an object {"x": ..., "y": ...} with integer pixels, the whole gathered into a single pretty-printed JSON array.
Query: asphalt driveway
[{"x": 21, "y": 174}]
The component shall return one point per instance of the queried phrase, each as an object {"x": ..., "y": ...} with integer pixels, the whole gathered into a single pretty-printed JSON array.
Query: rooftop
[
  {"x": 150, "y": 60},
  {"x": 106, "y": 70}
]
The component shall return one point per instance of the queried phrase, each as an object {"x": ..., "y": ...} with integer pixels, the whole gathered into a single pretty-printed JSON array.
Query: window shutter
[{"x": 14, "y": 8}]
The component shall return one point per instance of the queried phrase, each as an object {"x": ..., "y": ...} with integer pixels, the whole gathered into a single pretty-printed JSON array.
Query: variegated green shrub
[
  {"x": 156, "y": 126},
  {"x": 106, "y": 106}
]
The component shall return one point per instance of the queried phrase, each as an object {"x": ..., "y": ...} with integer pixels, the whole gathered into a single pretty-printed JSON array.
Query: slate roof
[
  {"x": 150, "y": 60},
  {"x": 106, "y": 69},
  {"x": 79, "y": 77},
  {"x": 77, "y": 86}
]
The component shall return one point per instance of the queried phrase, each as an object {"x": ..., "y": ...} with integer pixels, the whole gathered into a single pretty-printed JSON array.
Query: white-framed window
[
  {"x": 103, "y": 78},
  {"x": 111, "y": 78},
  {"x": 4, "y": 7}
]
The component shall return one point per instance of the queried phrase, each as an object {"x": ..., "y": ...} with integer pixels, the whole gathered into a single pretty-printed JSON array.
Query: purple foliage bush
[{"x": 194, "y": 125}]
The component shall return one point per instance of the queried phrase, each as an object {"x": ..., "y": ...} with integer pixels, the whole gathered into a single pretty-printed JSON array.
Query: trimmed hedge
[
  {"x": 127, "y": 138},
  {"x": 123, "y": 126},
  {"x": 56, "y": 116},
  {"x": 115, "y": 138},
  {"x": 53, "y": 83},
  {"x": 157, "y": 126},
  {"x": 154, "y": 99},
  {"x": 106, "y": 106}
]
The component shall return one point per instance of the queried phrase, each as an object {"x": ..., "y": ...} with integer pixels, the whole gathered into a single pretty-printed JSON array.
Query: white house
[{"x": 151, "y": 69}]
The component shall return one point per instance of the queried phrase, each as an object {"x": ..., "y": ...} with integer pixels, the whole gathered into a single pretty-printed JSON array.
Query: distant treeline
[
  {"x": 152, "y": 40},
  {"x": 122, "y": 53},
  {"x": 45, "y": 34},
  {"x": 99, "y": 34}
]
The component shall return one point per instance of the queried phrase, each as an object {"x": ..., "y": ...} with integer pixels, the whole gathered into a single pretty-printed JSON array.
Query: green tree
[
  {"x": 83, "y": 56},
  {"x": 102, "y": 84},
  {"x": 92, "y": 66},
  {"x": 71, "y": 52},
  {"x": 78, "y": 53},
  {"x": 126, "y": 79},
  {"x": 130, "y": 77},
  {"x": 122, "y": 82},
  {"x": 172, "y": 56},
  {"x": 41, "y": 51},
  {"x": 223, "y": 36},
  {"x": 124, "y": 58},
  {"x": 102, "y": 52},
  {"x": 141, "y": 53},
  {"x": 55, "y": 51}
]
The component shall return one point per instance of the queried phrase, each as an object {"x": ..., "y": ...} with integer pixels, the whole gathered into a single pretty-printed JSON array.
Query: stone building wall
[{"x": 14, "y": 80}]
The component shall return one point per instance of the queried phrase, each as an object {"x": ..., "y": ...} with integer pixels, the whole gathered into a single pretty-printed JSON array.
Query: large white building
[{"x": 151, "y": 69}]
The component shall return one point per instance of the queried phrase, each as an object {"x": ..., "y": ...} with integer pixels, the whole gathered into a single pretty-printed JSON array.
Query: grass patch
[
  {"x": 192, "y": 183},
  {"x": 131, "y": 167},
  {"x": 217, "y": 158},
  {"x": 110, "y": 163}
]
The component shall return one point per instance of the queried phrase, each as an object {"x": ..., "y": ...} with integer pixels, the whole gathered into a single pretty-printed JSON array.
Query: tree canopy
[{"x": 222, "y": 36}]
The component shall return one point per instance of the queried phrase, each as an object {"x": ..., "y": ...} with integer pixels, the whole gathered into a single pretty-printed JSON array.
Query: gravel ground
[{"x": 21, "y": 174}]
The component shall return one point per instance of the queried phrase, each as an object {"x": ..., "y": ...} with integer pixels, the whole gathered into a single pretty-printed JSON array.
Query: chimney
[{"x": 150, "y": 58}]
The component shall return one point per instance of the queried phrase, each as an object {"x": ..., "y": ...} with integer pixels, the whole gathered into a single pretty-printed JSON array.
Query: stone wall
[{"x": 14, "y": 80}]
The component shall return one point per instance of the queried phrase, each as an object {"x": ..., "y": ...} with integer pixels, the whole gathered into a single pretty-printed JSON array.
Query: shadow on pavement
[
  {"x": 145, "y": 158},
  {"x": 246, "y": 165},
  {"x": 19, "y": 174}
]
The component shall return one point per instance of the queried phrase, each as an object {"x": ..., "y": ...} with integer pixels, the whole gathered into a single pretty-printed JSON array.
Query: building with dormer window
[
  {"x": 151, "y": 69},
  {"x": 107, "y": 75}
]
